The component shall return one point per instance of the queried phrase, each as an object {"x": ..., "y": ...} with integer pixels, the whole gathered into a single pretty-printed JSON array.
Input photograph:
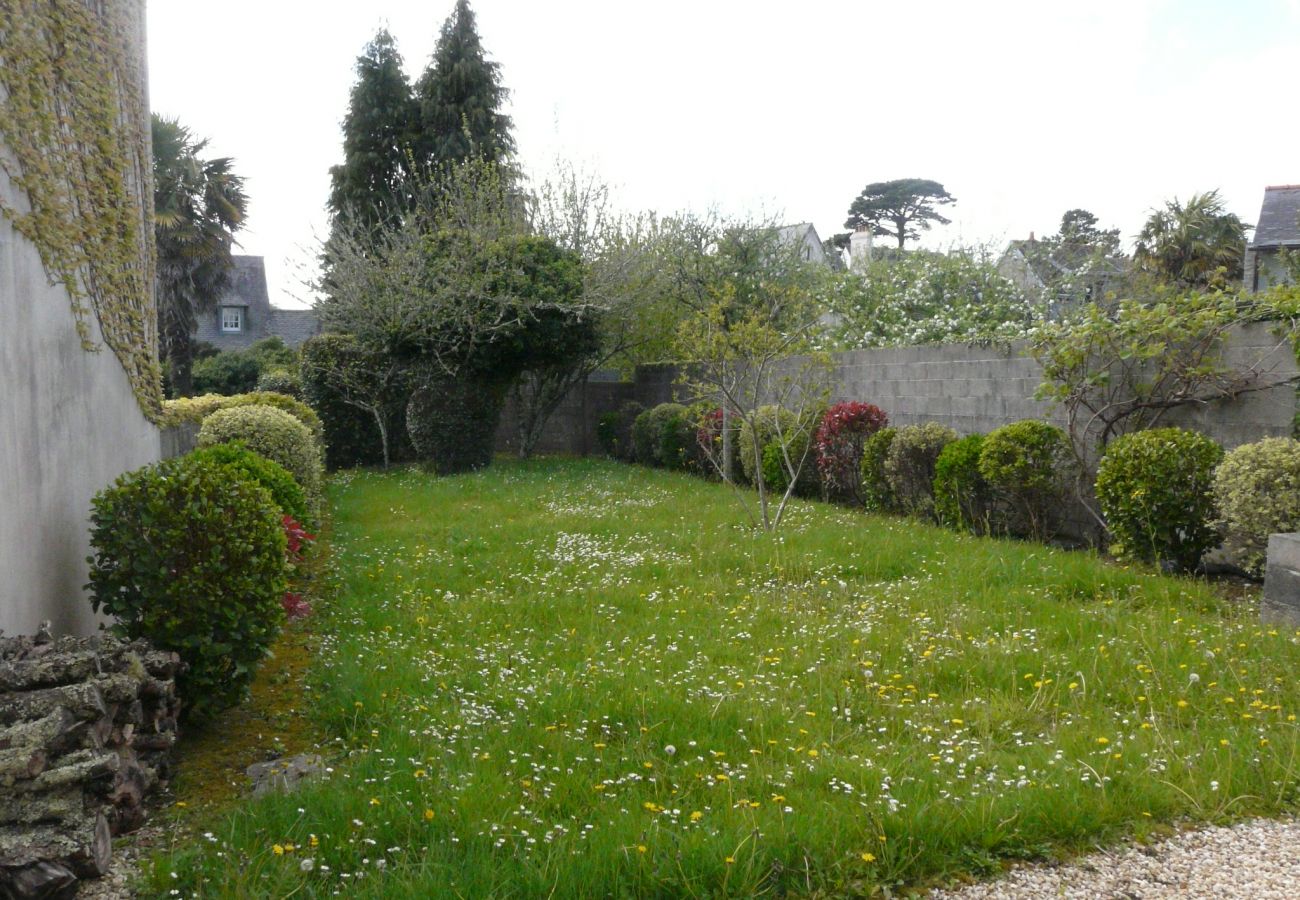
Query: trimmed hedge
[
  {"x": 281, "y": 381},
  {"x": 665, "y": 436},
  {"x": 190, "y": 554},
  {"x": 1257, "y": 492},
  {"x": 453, "y": 422},
  {"x": 196, "y": 409},
  {"x": 1024, "y": 465},
  {"x": 351, "y": 435},
  {"x": 961, "y": 495},
  {"x": 274, "y": 434},
  {"x": 279, "y": 483},
  {"x": 614, "y": 430},
  {"x": 909, "y": 467},
  {"x": 877, "y": 495},
  {"x": 1155, "y": 491}
]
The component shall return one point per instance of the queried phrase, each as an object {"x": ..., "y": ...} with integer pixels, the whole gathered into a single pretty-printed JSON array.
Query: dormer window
[{"x": 232, "y": 319}]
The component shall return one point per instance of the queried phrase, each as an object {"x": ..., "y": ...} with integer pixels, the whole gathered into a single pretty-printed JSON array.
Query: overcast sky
[{"x": 1021, "y": 110}]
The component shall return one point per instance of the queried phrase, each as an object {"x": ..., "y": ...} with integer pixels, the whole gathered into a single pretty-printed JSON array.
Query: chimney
[
  {"x": 1031, "y": 237},
  {"x": 860, "y": 249}
]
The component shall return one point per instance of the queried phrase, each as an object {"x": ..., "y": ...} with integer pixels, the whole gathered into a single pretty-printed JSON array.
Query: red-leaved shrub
[{"x": 838, "y": 444}]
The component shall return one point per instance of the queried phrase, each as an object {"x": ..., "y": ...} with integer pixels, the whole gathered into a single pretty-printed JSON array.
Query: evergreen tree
[
  {"x": 460, "y": 96},
  {"x": 369, "y": 187}
]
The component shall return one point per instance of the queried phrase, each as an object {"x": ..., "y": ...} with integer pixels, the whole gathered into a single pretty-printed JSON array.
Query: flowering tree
[{"x": 925, "y": 298}]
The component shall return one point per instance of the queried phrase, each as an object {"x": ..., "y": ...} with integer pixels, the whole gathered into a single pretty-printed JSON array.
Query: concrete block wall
[
  {"x": 69, "y": 425},
  {"x": 976, "y": 389}
]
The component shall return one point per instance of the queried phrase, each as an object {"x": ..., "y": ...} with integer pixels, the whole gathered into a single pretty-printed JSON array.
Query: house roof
[
  {"x": 294, "y": 325},
  {"x": 247, "y": 285},
  {"x": 1279, "y": 217},
  {"x": 1063, "y": 259}
]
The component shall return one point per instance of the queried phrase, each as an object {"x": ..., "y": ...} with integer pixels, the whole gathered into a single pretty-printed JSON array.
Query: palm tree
[
  {"x": 198, "y": 206},
  {"x": 1196, "y": 244}
]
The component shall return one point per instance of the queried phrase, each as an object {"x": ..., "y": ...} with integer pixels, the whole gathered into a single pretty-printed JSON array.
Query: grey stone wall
[
  {"x": 976, "y": 389},
  {"x": 69, "y": 425}
]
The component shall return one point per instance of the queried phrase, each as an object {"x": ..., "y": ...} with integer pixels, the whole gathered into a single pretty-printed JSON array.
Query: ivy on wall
[{"x": 72, "y": 125}]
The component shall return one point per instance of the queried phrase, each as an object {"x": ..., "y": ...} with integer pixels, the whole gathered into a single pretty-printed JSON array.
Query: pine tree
[
  {"x": 369, "y": 188},
  {"x": 460, "y": 96}
]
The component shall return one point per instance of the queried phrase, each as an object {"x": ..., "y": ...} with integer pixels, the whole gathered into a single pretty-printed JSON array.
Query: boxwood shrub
[
  {"x": 1025, "y": 465},
  {"x": 877, "y": 495},
  {"x": 274, "y": 434},
  {"x": 453, "y": 422},
  {"x": 190, "y": 554},
  {"x": 909, "y": 467},
  {"x": 961, "y": 495},
  {"x": 196, "y": 409},
  {"x": 277, "y": 480},
  {"x": 1155, "y": 489},
  {"x": 1257, "y": 492}
]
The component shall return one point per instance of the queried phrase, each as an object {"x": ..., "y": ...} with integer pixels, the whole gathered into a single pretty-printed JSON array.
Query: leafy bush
[
  {"x": 1155, "y": 491},
  {"x": 614, "y": 430},
  {"x": 228, "y": 372},
  {"x": 1257, "y": 491},
  {"x": 909, "y": 467},
  {"x": 665, "y": 436},
  {"x": 775, "y": 427},
  {"x": 961, "y": 495},
  {"x": 274, "y": 434},
  {"x": 839, "y": 442},
  {"x": 275, "y": 478},
  {"x": 1024, "y": 465},
  {"x": 453, "y": 422},
  {"x": 196, "y": 409},
  {"x": 281, "y": 381},
  {"x": 335, "y": 372},
  {"x": 191, "y": 555},
  {"x": 877, "y": 495}
]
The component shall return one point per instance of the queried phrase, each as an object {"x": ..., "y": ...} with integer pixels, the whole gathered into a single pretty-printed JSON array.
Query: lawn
[{"x": 580, "y": 679}]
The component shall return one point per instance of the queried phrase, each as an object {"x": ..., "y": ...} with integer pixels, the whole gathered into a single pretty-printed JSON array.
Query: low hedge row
[{"x": 1167, "y": 495}]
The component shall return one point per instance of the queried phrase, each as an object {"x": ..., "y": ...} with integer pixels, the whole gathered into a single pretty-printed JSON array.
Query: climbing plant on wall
[{"x": 73, "y": 123}]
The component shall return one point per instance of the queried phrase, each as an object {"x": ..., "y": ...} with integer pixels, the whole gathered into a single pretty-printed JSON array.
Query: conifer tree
[
  {"x": 460, "y": 97},
  {"x": 369, "y": 187}
]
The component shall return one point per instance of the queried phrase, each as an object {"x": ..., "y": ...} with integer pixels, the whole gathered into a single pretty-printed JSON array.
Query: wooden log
[
  {"x": 86, "y": 848},
  {"x": 83, "y": 767},
  {"x": 38, "y": 881},
  {"x": 54, "y": 733},
  {"x": 21, "y": 764},
  {"x": 82, "y": 700},
  {"x": 61, "y": 804}
]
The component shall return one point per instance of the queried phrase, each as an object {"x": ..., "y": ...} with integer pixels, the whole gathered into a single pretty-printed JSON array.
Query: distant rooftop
[{"x": 1279, "y": 217}]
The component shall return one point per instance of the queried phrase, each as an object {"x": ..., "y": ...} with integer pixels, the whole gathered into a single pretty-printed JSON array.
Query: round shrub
[
  {"x": 1257, "y": 492},
  {"x": 1156, "y": 493},
  {"x": 196, "y": 409},
  {"x": 644, "y": 438},
  {"x": 453, "y": 422},
  {"x": 1024, "y": 465},
  {"x": 841, "y": 436},
  {"x": 909, "y": 467},
  {"x": 775, "y": 426},
  {"x": 673, "y": 433},
  {"x": 281, "y": 381},
  {"x": 961, "y": 496},
  {"x": 614, "y": 430},
  {"x": 274, "y": 434},
  {"x": 190, "y": 555},
  {"x": 275, "y": 478},
  {"x": 877, "y": 495}
]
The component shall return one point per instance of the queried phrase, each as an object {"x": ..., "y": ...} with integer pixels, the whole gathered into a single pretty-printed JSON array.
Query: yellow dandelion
[
  {"x": 868, "y": 857},
  {"x": 428, "y": 815},
  {"x": 278, "y": 849}
]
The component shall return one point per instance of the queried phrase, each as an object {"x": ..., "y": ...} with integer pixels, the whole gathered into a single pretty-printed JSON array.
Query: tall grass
[{"x": 578, "y": 679}]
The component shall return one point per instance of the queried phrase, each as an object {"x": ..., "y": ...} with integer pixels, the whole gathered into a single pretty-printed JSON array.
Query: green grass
[{"x": 579, "y": 679}]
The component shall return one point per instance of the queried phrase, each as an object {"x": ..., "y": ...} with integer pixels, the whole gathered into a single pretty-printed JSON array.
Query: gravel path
[{"x": 1254, "y": 860}]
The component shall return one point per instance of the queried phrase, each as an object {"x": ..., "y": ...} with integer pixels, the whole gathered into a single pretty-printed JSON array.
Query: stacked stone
[{"x": 86, "y": 730}]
